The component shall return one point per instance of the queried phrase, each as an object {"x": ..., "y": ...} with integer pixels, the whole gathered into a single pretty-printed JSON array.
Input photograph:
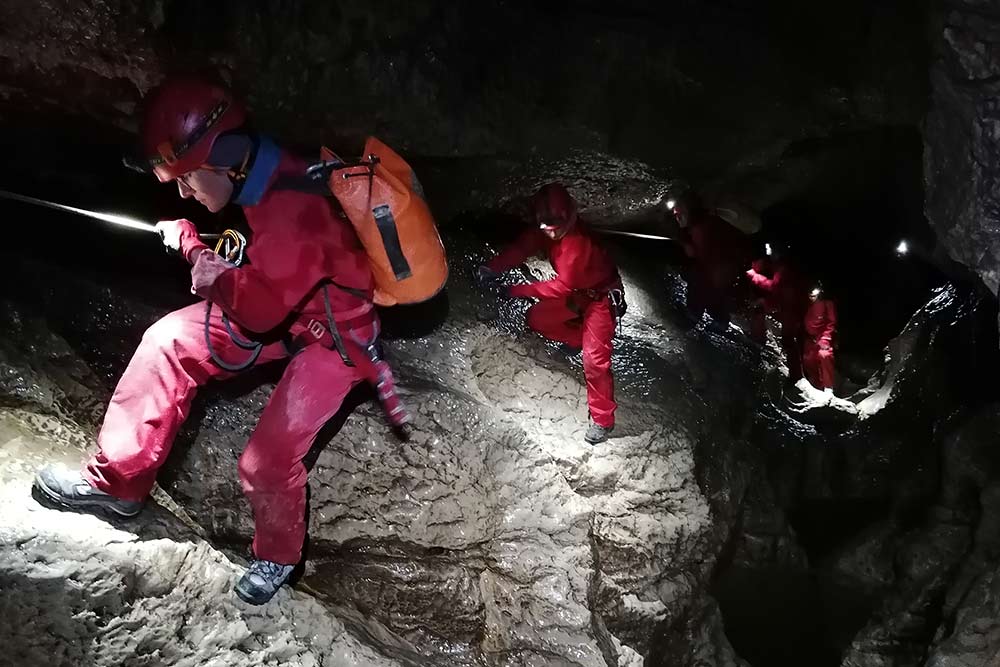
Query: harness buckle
[{"x": 316, "y": 329}]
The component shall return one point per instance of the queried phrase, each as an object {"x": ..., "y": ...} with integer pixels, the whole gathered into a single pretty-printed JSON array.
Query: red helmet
[
  {"x": 183, "y": 118},
  {"x": 554, "y": 206}
]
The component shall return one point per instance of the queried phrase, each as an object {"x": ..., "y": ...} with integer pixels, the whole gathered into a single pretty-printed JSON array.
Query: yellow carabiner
[{"x": 231, "y": 246}]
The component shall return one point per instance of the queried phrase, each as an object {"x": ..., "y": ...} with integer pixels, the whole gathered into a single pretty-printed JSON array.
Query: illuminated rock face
[{"x": 494, "y": 534}]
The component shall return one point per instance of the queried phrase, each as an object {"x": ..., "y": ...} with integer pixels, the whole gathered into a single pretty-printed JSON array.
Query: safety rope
[{"x": 254, "y": 347}]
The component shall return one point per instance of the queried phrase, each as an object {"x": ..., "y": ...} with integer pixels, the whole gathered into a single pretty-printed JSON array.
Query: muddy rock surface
[
  {"x": 494, "y": 535},
  {"x": 717, "y": 519},
  {"x": 77, "y": 590}
]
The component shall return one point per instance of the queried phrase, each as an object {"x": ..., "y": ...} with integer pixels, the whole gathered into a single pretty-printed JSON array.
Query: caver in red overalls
[
  {"x": 786, "y": 294},
  {"x": 719, "y": 254},
  {"x": 574, "y": 307},
  {"x": 299, "y": 242},
  {"x": 308, "y": 284},
  {"x": 817, "y": 353},
  {"x": 301, "y": 246}
]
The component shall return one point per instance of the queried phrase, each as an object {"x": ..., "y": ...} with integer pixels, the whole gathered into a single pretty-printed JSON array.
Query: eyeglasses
[{"x": 184, "y": 178}]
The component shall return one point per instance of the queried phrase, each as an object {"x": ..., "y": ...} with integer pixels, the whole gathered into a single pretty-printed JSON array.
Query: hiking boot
[
  {"x": 68, "y": 489},
  {"x": 597, "y": 433},
  {"x": 262, "y": 580}
]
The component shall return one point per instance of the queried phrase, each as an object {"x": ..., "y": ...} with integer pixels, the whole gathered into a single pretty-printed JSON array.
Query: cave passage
[{"x": 715, "y": 475}]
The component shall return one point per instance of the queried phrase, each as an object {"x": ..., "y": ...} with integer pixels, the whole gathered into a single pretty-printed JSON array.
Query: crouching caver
[
  {"x": 307, "y": 290},
  {"x": 580, "y": 306}
]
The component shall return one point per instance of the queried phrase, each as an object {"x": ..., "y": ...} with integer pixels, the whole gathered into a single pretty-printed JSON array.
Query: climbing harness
[
  {"x": 389, "y": 215},
  {"x": 231, "y": 247}
]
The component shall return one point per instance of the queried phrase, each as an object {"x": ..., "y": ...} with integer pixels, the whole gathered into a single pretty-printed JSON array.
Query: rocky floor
[
  {"x": 495, "y": 535},
  {"x": 77, "y": 590}
]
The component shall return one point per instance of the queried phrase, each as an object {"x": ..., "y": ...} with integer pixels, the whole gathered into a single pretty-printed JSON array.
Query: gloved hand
[
  {"x": 206, "y": 271},
  {"x": 173, "y": 232},
  {"x": 486, "y": 274}
]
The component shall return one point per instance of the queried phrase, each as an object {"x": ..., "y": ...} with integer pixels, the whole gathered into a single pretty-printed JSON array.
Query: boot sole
[
  {"x": 243, "y": 595},
  {"x": 43, "y": 493},
  {"x": 597, "y": 442},
  {"x": 250, "y": 600}
]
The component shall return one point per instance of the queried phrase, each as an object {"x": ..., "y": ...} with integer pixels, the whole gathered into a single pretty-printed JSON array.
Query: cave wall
[
  {"x": 697, "y": 87},
  {"x": 962, "y": 136}
]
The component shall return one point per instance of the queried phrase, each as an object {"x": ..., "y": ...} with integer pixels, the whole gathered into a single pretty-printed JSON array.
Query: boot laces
[{"x": 266, "y": 569}]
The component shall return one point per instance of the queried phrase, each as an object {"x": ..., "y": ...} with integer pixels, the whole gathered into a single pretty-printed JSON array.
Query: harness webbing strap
[
  {"x": 390, "y": 241},
  {"x": 338, "y": 342}
]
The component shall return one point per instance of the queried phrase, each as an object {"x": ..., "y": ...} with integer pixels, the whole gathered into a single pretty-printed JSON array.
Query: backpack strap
[{"x": 302, "y": 183}]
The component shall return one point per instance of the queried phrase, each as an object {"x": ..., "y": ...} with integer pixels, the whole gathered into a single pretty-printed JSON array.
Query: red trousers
[
  {"x": 590, "y": 325},
  {"x": 818, "y": 364},
  {"x": 153, "y": 398}
]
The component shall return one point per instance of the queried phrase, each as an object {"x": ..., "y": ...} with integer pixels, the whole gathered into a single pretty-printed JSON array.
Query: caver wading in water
[
  {"x": 307, "y": 290},
  {"x": 580, "y": 305}
]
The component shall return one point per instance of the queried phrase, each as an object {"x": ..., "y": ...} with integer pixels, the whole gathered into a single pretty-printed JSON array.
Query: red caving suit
[
  {"x": 299, "y": 241},
  {"x": 719, "y": 254},
  {"x": 786, "y": 294},
  {"x": 574, "y": 307},
  {"x": 817, "y": 352}
]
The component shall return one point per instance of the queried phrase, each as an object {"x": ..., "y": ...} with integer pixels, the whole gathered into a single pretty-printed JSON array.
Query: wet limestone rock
[
  {"x": 495, "y": 533},
  {"x": 962, "y": 137},
  {"x": 76, "y": 590},
  {"x": 495, "y": 530}
]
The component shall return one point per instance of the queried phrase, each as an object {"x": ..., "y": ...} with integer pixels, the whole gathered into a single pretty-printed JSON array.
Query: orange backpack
[{"x": 385, "y": 203}]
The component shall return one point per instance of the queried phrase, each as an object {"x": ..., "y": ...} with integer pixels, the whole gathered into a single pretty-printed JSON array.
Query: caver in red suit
[
  {"x": 786, "y": 294},
  {"x": 308, "y": 285},
  {"x": 817, "y": 353},
  {"x": 574, "y": 307},
  {"x": 299, "y": 243},
  {"x": 719, "y": 255}
]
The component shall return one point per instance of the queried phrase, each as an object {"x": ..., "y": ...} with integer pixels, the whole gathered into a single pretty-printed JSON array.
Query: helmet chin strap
[
  {"x": 233, "y": 153},
  {"x": 238, "y": 175},
  {"x": 256, "y": 171}
]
